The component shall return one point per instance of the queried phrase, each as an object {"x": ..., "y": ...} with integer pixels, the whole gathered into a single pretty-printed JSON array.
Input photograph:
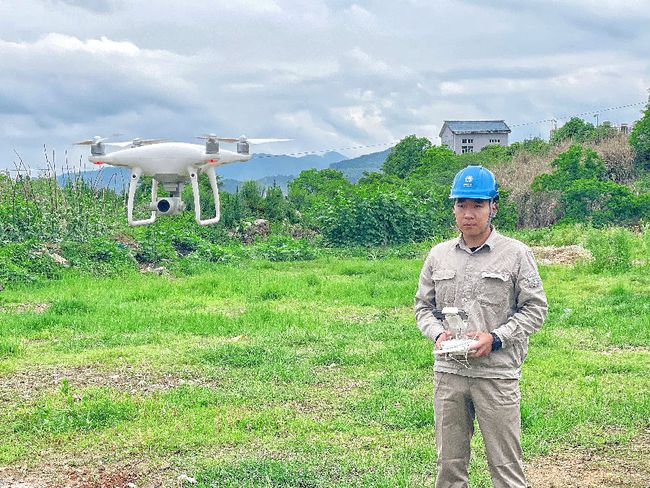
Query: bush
[
  {"x": 98, "y": 255},
  {"x": 26, "y": 262},
  {"x": 218, "y": 254},
  {"x": 155, "y": 246},
  {"x": 640, "y": 140},
  {"x": 585, "y": 194}
]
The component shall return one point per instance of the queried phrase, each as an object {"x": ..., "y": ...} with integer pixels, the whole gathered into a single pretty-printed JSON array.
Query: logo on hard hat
[{"x": 468, "y": 181}]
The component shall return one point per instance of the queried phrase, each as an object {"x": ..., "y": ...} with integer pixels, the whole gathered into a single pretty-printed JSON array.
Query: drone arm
[
  {"x": 197, "y": 196},
  {"x": 133, "y": 184}
]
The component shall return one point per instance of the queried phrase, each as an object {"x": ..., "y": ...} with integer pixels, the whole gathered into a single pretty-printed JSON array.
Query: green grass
[{"x": 296, "y": 374}]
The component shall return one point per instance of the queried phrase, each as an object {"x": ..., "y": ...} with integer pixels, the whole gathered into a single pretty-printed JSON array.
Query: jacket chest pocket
[
  {"x": 494, "y": 288},
  {"x": 444, "y": 281}
]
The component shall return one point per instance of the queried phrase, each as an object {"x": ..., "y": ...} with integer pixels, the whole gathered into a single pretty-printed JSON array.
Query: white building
[{"x": 463, "y": 136}]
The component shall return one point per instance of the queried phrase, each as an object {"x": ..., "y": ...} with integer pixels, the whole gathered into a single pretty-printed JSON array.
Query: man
[{"x": 495, "y": 280}]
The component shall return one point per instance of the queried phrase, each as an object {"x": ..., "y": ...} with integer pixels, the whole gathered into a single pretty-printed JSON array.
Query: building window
[
  {"x": 468, "y": 141},
  {"x": 466, "y": 149},
  {"x": 495, "y": 141}
]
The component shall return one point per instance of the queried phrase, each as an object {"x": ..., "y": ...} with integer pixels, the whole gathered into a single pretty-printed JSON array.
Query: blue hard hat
[{"x": 475, "y": 182}]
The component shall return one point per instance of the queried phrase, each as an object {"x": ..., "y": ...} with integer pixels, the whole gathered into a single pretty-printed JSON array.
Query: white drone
[{"x": 171, "y": 164}]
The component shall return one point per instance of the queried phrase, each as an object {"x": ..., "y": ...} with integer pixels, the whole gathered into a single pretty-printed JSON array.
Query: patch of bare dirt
[
  {"x": 59, "y": 472},
  {"x": 560, "y": 254},
  {"x": 25, "y": 307},
  {"x": 157, "y": 270},
  {"x": 624, "y": 350},
  {"x": 27, "y": 384},
  {"x": 611, "y": 465}
]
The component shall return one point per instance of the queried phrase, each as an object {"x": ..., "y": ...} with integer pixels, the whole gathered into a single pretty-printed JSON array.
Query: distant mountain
[
  {"x": 263, "y": 168},
  {"x": 116, "y": 179},
  {"x": 262, "y": 165},
  {"x": 353, "y": 169}
]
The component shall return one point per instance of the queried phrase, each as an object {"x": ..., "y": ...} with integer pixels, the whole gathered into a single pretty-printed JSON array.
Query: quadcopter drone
[{"x": 171, "y": 164}]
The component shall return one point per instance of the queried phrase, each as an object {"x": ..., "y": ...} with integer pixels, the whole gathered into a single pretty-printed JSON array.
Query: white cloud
[{"x": 328, "y": 73}]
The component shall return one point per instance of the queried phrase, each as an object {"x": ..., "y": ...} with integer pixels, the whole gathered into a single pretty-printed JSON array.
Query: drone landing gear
[
  {"x": 173, "y": 205},
  {"x": 133, "y": 184},
  {"x": 194, "y": 180}
]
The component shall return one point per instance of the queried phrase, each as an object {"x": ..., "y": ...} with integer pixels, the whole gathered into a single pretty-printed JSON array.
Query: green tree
[
  {"x": 575, "y": 129},
  {"x": 585, "y": 194},
  {"x": 232, "y": 209},
  {"x": 406, "y": 156},
  {"x": 536, "y": 146},
  {"x": 252, "y": 199},
  {"x": 312, "y": 184},
  {"x": 439, "y": 165},
  {"x": 275, "y": 205},
  {"x": 576, "y": 163},
  {"x": 640, "y": 139}
]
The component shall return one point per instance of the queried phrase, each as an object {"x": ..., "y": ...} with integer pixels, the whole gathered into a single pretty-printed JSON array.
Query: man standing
[{"x": 495, "y": 280}]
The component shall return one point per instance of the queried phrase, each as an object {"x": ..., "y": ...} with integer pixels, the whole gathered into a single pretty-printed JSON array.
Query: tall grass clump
[
  {"x": 39, "y": 209},
  {"x": 8, "y": 348},
  {"x": 611, "y": 250}
]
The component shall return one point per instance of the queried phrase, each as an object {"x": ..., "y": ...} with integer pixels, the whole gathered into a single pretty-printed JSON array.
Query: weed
[
  {"x": 260, "y": 472},
  {"x": 612, "y": 250},
  {"x": 91, "y": 411},
  {"x": 9, "y": 348}
]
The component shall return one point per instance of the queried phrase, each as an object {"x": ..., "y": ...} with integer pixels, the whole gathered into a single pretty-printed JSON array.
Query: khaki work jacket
[{"x": 498, "y": 285}]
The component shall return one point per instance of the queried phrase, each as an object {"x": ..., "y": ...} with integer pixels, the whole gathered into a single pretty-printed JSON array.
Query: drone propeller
[
  {"x": 213, "y": 137},
  {"x": 136, "y": 142},
  {"x": 95, "y": 140},
  {"x": 89, "y": 142}
]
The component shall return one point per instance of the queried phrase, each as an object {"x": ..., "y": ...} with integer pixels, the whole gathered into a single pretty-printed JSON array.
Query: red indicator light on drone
[
  {"x": 99, "y": 162},
  {"x": 213, "y": 160}
]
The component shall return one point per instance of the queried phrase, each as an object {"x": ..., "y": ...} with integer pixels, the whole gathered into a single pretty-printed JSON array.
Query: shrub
[
  {"x": 218, "y": 254},
  {"x": 26, "y": 262},
  {"x": 640, "y": 139},
  {"x": 155, "y": 246},
  {"x": 585, "y": 194},
  {"x": 98, "y": 255},
  {"x": 282, "y": 248}
]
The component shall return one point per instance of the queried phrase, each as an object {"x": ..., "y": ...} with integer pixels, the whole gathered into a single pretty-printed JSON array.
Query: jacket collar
[{"x": 489, "y": 243}]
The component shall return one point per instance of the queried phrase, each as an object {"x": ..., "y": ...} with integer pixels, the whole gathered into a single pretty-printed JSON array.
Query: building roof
[{"x": 476, "y": 126}]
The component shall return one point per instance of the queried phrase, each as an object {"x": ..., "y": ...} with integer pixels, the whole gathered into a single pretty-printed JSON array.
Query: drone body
[
  {"x": 168, "y": 158},
  {"x": 172, "y": 164}
]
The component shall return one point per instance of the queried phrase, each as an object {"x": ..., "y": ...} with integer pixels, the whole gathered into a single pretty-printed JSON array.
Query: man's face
[{"x": 473, "y": 216}]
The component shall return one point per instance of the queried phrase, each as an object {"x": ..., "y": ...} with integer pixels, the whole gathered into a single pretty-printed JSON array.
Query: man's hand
[
  {"x": 443, "y": 337},
  {"x": 484, "y": 345}
]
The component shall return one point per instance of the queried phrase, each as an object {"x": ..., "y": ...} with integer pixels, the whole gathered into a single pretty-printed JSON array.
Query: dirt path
[{"x": 609, "y": 466}]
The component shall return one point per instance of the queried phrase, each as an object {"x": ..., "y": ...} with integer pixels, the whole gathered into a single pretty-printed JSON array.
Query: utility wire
[{"x": 567, "y": 117}]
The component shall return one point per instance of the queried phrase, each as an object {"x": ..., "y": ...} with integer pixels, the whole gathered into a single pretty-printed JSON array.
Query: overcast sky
[{"x": 329, "y": 74}]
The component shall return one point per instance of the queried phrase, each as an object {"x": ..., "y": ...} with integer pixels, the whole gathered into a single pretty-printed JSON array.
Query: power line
[{"x": 567, "y": 117}]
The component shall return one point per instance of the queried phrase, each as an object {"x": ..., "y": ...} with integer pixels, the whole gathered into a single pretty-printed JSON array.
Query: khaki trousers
[{"x": 495, "y": 403}]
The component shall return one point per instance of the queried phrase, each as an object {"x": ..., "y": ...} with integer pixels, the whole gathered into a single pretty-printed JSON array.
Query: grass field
[{"x": 290, "y": 374}]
